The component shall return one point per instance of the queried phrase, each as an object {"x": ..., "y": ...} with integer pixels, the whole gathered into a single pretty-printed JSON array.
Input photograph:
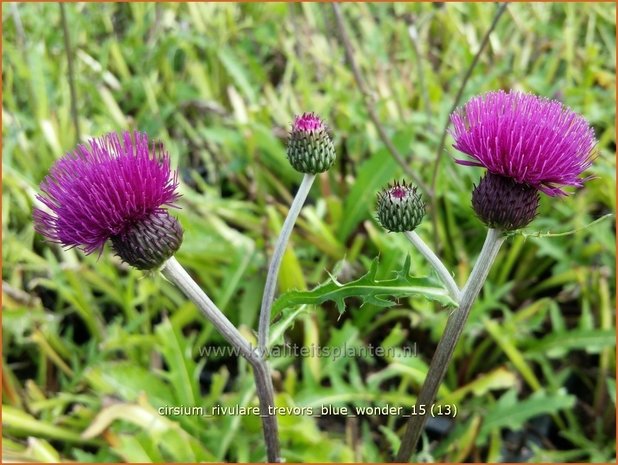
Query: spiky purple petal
[
  {"x": 530, "y": 139},
  {"x": 308, "y": 122},
  {"x": 103, "y": 188}
]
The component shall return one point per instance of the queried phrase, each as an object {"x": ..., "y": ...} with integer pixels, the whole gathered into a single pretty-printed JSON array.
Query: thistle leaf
[{"x": 370, "y": 290}]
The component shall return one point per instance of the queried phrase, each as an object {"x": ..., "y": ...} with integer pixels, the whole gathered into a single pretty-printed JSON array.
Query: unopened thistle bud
[
  {"x": 400, "y": 207},
  {"x": 310, "y": 148},
  {"x": 114, "y": 189},
  {"x": 502, "y": 203}
]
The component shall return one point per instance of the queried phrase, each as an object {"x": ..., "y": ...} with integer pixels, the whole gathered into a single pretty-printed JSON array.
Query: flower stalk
[
  {"x": 176, "y": 274},
  {"x": 275, "y": 262},
  {"x": 310, "y": 150},
  {"x": 454, "y": 328},
  {"x": 443, "y": 273},
  {"x": 528, "y": 144}
]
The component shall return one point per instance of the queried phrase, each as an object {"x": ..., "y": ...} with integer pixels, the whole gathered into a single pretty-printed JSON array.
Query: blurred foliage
[{"x": 92, "y": 349}]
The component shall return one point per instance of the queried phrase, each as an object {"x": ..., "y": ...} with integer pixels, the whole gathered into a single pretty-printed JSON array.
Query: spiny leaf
[{"x": 368, "y": 289}]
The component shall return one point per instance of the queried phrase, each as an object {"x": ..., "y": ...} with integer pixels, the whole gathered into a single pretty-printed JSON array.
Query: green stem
[
  {"x": 176, "y": 274},
  {"x": 275, "y": 262},
  {"x": 443, "y": 273},
  {"x": 446, "y": 346}
]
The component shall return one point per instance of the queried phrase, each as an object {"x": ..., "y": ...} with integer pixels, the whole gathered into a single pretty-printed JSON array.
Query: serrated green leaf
[
  {"x": 287, "y": 319},
  {"x": 368, "y": 289}
]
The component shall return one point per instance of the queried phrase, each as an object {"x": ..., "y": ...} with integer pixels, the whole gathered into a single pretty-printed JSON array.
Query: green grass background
[{"x": 92, "y": 348}]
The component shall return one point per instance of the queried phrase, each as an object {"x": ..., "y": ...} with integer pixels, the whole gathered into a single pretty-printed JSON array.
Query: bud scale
[
  {"x": 503, "y": 203},
  {"x": 400, "y": 208},
  {"x": 149, "y": 242},
  {"x": 310, "y": 149}
]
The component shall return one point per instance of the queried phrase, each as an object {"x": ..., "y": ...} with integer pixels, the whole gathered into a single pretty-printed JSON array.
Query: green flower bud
[
  {"x": 310, "y": 148},
  {"x": 400, "y": 207}
]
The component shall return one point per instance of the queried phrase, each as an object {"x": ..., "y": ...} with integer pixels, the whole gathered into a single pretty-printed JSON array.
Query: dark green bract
[
  {"x": 400, "y": 208},
  {"x": 311, "y": 151}
]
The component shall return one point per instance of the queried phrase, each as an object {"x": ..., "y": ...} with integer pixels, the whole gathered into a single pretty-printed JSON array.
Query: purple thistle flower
[
  {"x": 307, "y": 122},
  {"x": 532, "y": 140},
  {"x": 108, "y": 190}
]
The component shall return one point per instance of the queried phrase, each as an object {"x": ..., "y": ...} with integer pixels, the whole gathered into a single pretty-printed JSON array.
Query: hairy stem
[
  {"x": 446, "y": 346},
  {"x": 275, "y": 262},
  {"x": 176, "y": 274},
  {"x": 443, "y": 273},
  {"x": 266, "y": 396}
]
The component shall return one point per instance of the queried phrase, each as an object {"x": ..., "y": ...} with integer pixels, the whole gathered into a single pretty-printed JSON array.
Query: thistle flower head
[
  {"x": 116, "y": 187},
  {"x": 400, "y": 207},
  {"x": 310, "y": 148},
  {"x": 532, "y": 140}
]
